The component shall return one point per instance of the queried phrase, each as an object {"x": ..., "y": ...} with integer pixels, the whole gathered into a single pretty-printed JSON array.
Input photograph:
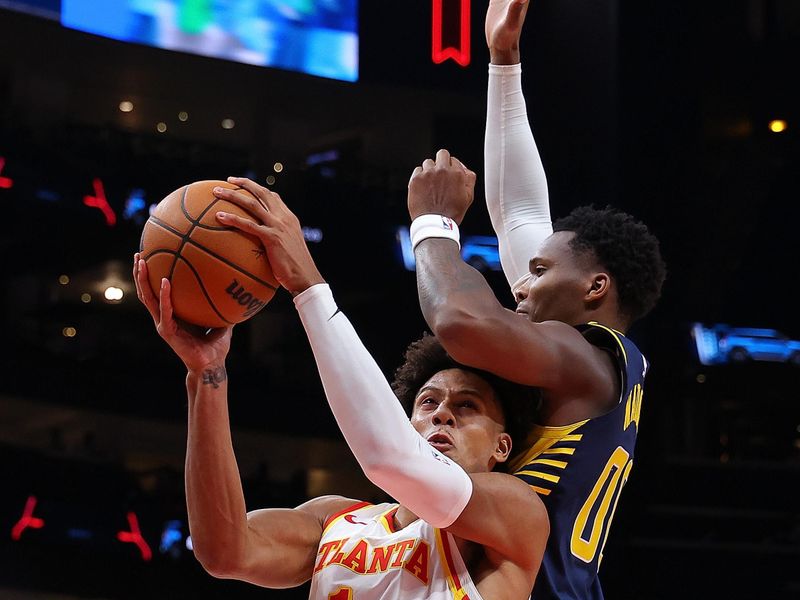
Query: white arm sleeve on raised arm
[
  {"x": 516, "y": 185},
  {"x": 390, "y": 451}
]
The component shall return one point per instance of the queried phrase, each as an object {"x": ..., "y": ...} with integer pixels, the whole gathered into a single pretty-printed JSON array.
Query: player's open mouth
[{"x": 440, "y": 441}]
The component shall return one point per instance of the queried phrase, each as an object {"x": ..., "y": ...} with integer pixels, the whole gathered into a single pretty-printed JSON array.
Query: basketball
[{"x": 219, "y": 275}]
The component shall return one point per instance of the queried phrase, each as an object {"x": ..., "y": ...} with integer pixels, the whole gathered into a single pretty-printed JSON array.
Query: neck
[
  {"x": 607, "y": 318},
  {"x": 404, "y": 517}
]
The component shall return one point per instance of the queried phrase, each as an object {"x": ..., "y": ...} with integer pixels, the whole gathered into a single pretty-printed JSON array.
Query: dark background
[{"x": 661, "y": 110}]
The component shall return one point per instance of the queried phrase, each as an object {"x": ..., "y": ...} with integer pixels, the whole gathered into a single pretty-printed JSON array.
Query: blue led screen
[{"x": 319, "y": 37}]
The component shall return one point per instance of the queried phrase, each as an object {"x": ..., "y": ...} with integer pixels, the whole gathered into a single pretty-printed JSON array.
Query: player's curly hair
[
  {"x": 426, "y": 357},
  {"x": 626, "y": 248}
]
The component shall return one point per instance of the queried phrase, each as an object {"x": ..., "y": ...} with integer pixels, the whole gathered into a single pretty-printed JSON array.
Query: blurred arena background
[{"x": 682, "y": 113}]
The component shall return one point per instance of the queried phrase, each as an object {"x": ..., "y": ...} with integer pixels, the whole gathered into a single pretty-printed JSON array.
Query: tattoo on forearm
[
  {"x": 214, "y": 376},
  {"x": 440, "y": 277}
]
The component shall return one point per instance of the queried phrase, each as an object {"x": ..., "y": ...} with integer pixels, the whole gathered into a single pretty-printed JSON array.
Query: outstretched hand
[
  {"x": 441, "y": 187},
  {"x": 200, "y": 350},
  {"x": 278, "y": 229},
  {"x": 504, "y": 21}
]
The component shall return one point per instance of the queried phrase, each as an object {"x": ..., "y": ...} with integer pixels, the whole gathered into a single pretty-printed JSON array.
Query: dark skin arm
[{"x": 577, "y": 378}]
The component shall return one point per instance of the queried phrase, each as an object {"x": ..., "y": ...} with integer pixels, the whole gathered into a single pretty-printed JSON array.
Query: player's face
[
  {"x": 558, "y": 283},
  {"x": 458, "y": 413}
]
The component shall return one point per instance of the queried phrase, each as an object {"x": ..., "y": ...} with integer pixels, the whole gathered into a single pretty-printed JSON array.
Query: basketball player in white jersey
[{"x": 460, "y": 530}]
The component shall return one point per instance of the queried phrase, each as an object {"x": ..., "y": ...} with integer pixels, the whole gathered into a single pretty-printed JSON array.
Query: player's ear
[
  {"x": 598, "y": 287},
  {"x": 503, "y": 448}
]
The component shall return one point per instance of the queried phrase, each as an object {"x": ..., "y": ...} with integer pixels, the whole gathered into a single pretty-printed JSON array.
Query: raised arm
[
  {"x": 516, "y": 185},
  {"x": 272, "y": 548},
  {"x": 390, "y": 451},
  {"x": 461, "y": 308}
]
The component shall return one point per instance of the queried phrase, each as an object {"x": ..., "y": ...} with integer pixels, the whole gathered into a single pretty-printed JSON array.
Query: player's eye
[{"x": 539, "y": 270}]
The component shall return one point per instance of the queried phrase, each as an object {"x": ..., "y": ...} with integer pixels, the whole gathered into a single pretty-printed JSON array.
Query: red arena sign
[{"x": 451, "y": 31}]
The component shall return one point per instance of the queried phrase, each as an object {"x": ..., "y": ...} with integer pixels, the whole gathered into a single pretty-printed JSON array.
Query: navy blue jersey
[{"x": 579, "y": 471}]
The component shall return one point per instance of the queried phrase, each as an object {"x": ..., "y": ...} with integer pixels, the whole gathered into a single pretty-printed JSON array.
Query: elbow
[
  {"x": 217, "y": 563},
  {"x": 459, "y": 333}
]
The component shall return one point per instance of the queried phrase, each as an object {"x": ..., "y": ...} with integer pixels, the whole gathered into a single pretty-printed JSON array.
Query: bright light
[
  {"x": 113, "y": 294},
  {"x": 277, "y": 167},
  {"x": 63, "y": 279},
  {"x": 312, "y": 234},
  {"x": 69, "y": 332},
  {"x": 271, "y": 180},
  {"x": 228, "y": 123},
  {"x": 86, "y": 298},
  {"x": 778, "y": 126},
  {"x": 126, "y": 106},
  {"x": 161, "y": 127},
  {"x": 183, "y": 116}
]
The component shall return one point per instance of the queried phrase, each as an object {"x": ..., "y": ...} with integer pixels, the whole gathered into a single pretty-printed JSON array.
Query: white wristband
[{"x": 428, "y": 226}]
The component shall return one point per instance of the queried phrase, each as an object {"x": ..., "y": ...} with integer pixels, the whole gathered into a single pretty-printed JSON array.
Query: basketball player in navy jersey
[
  {"x": 461, "y": 529},
  {"x": 579, "y": 285}
]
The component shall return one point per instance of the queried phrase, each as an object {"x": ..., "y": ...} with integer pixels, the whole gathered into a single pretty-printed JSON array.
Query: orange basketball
[{"x": 219, "y": 275}]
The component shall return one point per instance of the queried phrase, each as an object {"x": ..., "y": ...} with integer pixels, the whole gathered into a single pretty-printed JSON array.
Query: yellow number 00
[{"x": 615, "y": 474}]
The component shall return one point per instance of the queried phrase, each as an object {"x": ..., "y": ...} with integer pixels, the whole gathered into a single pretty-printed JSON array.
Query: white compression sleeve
[
  {"x": 390, "y": 451},
  {"x": 516, "y": 185}
]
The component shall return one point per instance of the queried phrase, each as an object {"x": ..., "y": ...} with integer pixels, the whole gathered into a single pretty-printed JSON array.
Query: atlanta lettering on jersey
[{"x": 412, "y": 555}]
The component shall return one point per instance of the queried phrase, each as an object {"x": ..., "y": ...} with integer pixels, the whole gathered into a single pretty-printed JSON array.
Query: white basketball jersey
[{"x": 362, "y": 557}]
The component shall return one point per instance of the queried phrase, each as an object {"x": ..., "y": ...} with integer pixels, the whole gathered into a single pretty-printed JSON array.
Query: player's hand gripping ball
[{"x": 219, "y": 275}]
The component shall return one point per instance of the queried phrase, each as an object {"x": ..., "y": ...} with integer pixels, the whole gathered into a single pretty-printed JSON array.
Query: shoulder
[
  {"x": 515, "y": 506},
  {"x": 521, "y": 502},
  {"x": 508, "y": 519},
  {"x": 325, "y": 508}
]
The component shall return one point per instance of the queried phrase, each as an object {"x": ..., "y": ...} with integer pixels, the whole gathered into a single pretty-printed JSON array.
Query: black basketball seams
[
  {"x": 186, "y": 239},
  {"x": 203, "y": 289},
  {"x": 181, "y": 240},
  {"x": 227, "y": 227},
  {"x": 193, "y": 222},
  {"x": 230, "y": 264},
  {"x": 165, "y": 225}
]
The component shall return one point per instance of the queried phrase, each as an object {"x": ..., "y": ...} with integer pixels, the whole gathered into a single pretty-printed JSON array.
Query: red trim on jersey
[
  {"x": 450, "y": 564},
  {"x": 342, "y": 513},
  {"x": 389, "y": 518}
]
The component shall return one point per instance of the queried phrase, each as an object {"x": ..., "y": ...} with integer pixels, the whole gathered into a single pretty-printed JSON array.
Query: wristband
[{"x": 438, "y": 226}]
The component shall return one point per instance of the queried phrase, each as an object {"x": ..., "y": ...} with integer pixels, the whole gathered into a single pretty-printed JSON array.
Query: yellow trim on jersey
[
  {"x": 560, "y": 451},
  {"x": 542, "y": 438},
  {"x": 616, "y": 335},
  {"x": 458, "y": 592},
  {"x": 559, "y": 464},
  {"x": 384, "y": 520},
  {"x": 540, "y": 490},
  {"x": 539, "y": 474}
]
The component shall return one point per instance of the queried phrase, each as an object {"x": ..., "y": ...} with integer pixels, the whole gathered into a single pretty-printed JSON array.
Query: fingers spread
[
  {"x": 144, "y": 291},
  {"x": 263, "y": 195},
  {"x": 244, "y": 199},
  {"x": 166, "y": 323},
  {"x": 241, "y": 224}
]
